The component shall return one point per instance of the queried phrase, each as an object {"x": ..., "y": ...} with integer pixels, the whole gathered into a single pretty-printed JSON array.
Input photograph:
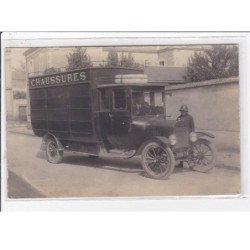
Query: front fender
[
  {"x": 204, "y": 134},
  {"x": 163, "y": 141},
  {"x": 46, "y": 137}
]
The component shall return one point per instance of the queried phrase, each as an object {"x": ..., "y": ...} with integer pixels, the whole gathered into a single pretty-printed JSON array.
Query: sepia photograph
[{"x": 122, "y": 121}]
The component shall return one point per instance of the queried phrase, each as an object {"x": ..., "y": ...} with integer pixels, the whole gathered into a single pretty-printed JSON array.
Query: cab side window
[{"x": 119, "y": 99}]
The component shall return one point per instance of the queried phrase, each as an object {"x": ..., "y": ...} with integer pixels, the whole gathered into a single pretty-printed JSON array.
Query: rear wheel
[
  {"x": 203, "y": 156},
  {"x": 157, "y": 161},
  {"x": 53, "y": 154}
]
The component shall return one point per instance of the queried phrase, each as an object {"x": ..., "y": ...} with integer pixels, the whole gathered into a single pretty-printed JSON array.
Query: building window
[
  {"x": 22, "y": 112},
  {"x": 162, "y": 63}
]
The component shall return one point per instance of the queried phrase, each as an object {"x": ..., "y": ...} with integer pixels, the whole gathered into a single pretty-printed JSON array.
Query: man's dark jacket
[{"x": 186, "y": 121}]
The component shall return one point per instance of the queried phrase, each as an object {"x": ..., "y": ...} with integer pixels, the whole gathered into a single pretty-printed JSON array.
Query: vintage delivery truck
[{"x": 113, "y": 112}]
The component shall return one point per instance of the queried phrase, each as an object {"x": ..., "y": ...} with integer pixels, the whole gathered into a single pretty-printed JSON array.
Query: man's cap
[{"x": 184, "y": 108}]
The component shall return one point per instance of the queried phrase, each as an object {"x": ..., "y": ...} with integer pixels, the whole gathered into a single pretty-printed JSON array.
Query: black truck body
[{"x": 66, "y": 105}]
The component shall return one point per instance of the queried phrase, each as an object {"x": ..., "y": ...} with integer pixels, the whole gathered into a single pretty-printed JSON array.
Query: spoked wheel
[
  {"x": 53, "y": 154},
  {"x": 157, "y": 161},
  {"x": 203, "y": 156}
]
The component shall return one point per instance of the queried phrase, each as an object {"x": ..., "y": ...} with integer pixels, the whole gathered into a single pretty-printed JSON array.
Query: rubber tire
[
  {"x": 171, "y": 158},
  {"x": 214, "y": 152},
  {"x": 59, "y": 156}
]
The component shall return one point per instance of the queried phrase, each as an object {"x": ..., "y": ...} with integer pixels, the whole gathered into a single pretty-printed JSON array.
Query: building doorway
[{"x": 22, "y": 111}]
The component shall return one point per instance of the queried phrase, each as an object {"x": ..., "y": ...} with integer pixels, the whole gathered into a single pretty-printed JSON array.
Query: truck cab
[{"x": 127, "y": 109}]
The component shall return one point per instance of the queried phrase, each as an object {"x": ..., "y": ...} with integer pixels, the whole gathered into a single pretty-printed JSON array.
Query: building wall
[
  {"x": 97, "y": 55},
  {"x": 168, "y": 57},
  {"x": 8, "y": 85},
  {"x": 175, "y": 57},
  {"x": 144, "y": 58},
  {"x": 57, "y": 57},
  {"x": 17, "y": 103},
  {"x": 45, "y": 58},
  {"x": 9, "y": 104},
  {"x": 181, "y": 57},
  {"x": 215, "y": 108},
  {"x": 19, "y": 84}
]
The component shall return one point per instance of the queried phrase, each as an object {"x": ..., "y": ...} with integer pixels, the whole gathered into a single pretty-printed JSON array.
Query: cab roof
[{"x": 112, "y": 85}]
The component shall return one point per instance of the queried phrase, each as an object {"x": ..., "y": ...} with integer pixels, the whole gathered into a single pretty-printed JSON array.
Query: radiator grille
[{"x": 182, "y": 137}]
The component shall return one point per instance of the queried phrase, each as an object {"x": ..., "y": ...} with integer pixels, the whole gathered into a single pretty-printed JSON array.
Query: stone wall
[{"x": 213, "y": 104}]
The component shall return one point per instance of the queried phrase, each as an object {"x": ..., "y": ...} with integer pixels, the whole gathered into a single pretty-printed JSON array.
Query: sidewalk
[
  {"x": 20, "y": 129},
  {"x": 228, "y": 159}
]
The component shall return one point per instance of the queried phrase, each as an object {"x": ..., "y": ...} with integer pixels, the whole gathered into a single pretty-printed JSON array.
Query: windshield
[{"x": 148, "y": 103}]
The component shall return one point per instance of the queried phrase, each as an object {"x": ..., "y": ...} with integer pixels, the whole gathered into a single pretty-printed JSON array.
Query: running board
[{"x": 118, "y": 153}]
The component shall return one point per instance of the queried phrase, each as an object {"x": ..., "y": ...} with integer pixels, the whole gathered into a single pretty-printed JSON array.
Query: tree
[
  {"x": 129, "y": 61},
  {"x": 78, "y": 59},
  {"x": 124, "y": 60},
  {"x": 112, "y": 59},
  {"x": 219, "y": 61},
  {"x": 234, "y": 62}
]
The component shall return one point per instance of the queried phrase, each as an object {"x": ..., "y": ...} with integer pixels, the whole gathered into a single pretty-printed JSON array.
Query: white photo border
[{"x": 163, "y": 203}]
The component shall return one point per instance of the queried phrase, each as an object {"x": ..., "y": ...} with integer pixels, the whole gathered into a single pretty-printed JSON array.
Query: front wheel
[
  {"x": 157, "y": 161},
  {"x": 203, "y": 156},
  {"x": 53, "y": 154}
]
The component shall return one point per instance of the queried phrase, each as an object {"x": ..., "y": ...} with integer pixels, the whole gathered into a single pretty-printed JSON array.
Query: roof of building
[
  {"x": 165, "y": 74},
  {"x": 132, "y": 49},
  {"x": 234, "y": 79},
  {"x": 155, "y": 49},
  {"x": 183, "y": 47},
  {"x": 144, "y": 85}
]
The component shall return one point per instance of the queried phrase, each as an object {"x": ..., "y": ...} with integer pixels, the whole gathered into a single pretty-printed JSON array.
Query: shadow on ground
[{"x": 113, "y": 164}]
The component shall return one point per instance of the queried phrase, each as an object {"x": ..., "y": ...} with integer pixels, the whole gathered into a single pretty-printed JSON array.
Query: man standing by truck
[{"x": 187, "y": 121}]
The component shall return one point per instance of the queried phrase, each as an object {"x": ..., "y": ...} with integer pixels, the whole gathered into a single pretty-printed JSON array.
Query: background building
[
  {"x": 40, "y": 59},
  {"x": 8, "y": 85},
  {"x": 16, "y": 101}
]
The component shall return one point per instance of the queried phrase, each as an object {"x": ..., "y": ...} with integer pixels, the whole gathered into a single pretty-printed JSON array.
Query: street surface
[{"x": 31, "y": 176}]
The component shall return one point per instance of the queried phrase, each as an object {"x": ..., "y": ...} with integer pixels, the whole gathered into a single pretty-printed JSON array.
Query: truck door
[
  {"x": 120, "y": 117},
  {"x": 105, "y": 115},
  {"x": 114, "y": 117}
]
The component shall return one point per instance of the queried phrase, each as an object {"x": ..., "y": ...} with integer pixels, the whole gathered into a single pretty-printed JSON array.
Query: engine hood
[{"x": 158, "y": 124}]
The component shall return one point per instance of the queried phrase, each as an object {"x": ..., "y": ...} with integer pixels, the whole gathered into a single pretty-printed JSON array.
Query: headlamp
[
  {"x": 172, "y": 139},
  {"x": 193, "y": 137}
]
